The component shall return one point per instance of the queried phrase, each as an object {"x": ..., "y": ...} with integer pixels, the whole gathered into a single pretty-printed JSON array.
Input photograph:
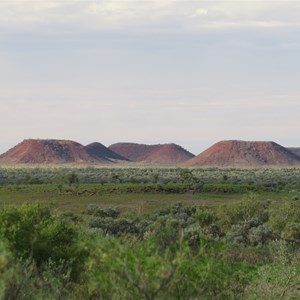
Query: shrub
[
  {"x": 32, "y": 232},
  {"x": 122, "y": 269},
  {"x": 291, "y": 233},
  {"x": 6, "y": 268},
  {"x": 204, "y": 216},
  {"x": 285, "y": 220},
  {"x": 242, "y": 211},
  {"x": 118, "y": 227},
  {"x": 251, "y": 233},
  {"x": 96, "y": 210},
  {"x": 279, "y": 279}
]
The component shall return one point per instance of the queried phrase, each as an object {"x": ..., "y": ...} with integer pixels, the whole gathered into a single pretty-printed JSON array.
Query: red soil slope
[
  {"x": 295, "y": 150},
  {"x": 134, "y": 152},
  {"x": 49, "y": 151},
  {"x": 158, "y": 154},
  {"x": 245, "y": 154},
  {"x": 169, "y": 154}
]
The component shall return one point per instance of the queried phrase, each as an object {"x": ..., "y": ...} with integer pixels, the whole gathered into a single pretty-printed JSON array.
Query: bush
[
  {"x": 242, "y": 211},
  {"x": 118, "y": 227},
  {"x": 6, "y": 268},
  {"x": 283, "y": 216},
  {"x": 204, "y": 216},
  {"x": 279, "y": 279},
  {"x": 32, "y": 232},
  {"x": 291, "y": 233},
  {"x": 96, "y": 210},
  {"x": 122, "y": 269},
  {"x": 251, "y": 233}
]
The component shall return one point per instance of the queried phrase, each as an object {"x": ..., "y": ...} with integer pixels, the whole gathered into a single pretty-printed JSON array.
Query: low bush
[{"x": 33, "y": 232}]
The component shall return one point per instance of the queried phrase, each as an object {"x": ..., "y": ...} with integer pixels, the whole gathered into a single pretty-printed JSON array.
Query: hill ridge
[
  {"x": 245, "y": 153},
  {"x": 235, "y": 153},
  {"x": 56, "y": 151},
  {"x": 169, "y": 153}
]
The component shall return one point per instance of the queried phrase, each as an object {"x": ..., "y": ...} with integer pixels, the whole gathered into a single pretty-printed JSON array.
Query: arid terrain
[
  {"x": 224, "y": 153},
  {"x": 295, "y": 150},
  {"x": 33, "y": 151},
  {"x": 245, "y": 154},
  {"x": 158, "y": 154}
]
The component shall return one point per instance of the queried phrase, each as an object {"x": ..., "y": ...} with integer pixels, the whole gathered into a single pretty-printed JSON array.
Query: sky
[{"x": 150, "y": 71}]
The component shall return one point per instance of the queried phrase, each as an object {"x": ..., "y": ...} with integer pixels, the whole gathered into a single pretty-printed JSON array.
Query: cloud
[
  {"x": 199, "y": 12},
  {"x": 154, "y": 14}
]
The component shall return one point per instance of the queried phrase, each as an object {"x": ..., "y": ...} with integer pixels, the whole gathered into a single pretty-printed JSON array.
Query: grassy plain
[
  {"x": 68, "y": 199},
  {"x": 141, "y": 189}
]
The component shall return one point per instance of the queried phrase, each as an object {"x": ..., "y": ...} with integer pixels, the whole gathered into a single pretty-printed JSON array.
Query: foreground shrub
[
  {"x": 122, "y": 269},
  {"x": 6, "y": 268},
  {"x": 51, "y": 281},
  {"x": 32, "y": 232},
  {"x": 281, "y": 278}
]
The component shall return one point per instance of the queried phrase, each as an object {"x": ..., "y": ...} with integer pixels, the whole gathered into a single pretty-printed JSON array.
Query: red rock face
[
  {"x": 156, "y": 154},
  {"x": 244, "y": 154},
  {"x": 53, "y": 151}
]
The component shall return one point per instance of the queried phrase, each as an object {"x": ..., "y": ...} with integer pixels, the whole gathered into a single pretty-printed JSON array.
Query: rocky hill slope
[
  {"x": 295, "y": 150},
  {"x": 245, "y": 154},
  {"x": 154, "y": 154},
  {"x": 35, "y": 151}
]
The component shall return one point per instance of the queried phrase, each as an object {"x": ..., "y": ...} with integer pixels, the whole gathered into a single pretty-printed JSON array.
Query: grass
[{"x": 76, "y": 200}]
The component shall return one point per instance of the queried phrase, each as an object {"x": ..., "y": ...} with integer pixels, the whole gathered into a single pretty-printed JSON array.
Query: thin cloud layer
[{"x": 148, "y": 15}]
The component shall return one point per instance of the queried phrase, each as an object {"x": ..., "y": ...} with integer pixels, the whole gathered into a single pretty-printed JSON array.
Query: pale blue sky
[{"x": 189, "y": 72}]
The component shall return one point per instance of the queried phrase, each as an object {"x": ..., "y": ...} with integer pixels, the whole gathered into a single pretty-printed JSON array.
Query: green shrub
[
  {"x": 291, "y": 233},
  {"x": 32, "y": 232},
  {"x": 251, "y": 233},
  {"x": 96, "y": 210},
  {"x": 117, "y": 227},
  {"x": 280, "y": 279},
  {"x": 122, "y": 269},
  {"x": 281, "y": 218},
  {"x": 242, "y": 211},
  {"x": 6, "y": 268},
  {"x": 204, "y": 216}
]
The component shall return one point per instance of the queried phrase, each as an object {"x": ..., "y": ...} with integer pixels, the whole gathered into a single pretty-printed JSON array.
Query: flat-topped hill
[
  {"x": 245, "y": 154},
  {"x": 36, "y": 151},
  {"x": 156, "y": 154},
  {"x": 232, "y": 153}
]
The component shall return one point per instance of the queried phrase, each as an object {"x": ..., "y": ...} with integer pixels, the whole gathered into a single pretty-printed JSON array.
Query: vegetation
[
  {"x": 244, "y": 246},
  {"x": 195, "y": 179}
]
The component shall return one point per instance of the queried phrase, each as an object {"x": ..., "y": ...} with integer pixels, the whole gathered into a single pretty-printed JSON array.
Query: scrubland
[{"x": 149, "y": 233}]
